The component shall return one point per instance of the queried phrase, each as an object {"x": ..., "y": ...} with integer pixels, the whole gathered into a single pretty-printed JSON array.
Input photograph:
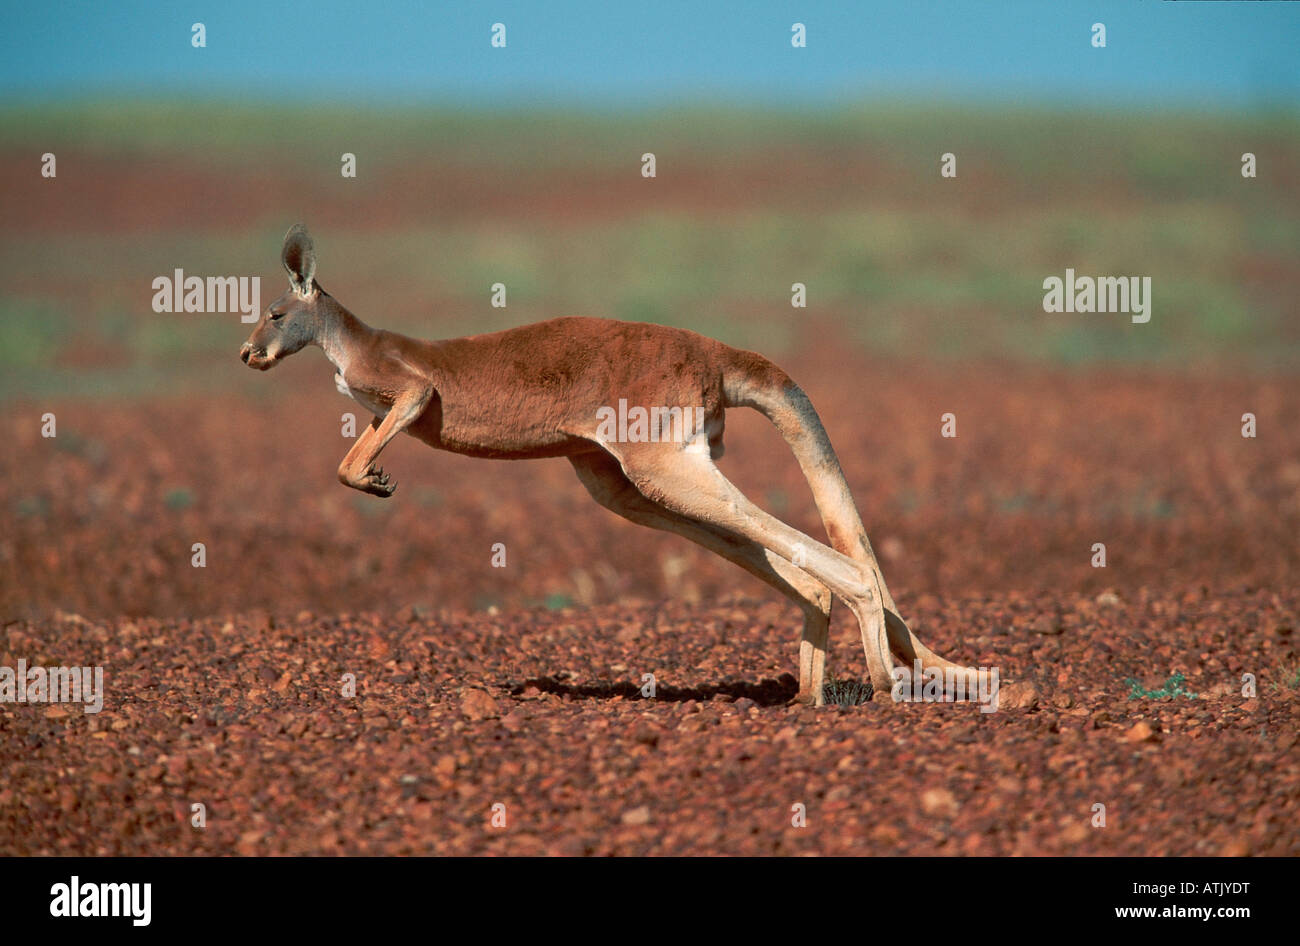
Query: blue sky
[{"x": 612, "y": 53}]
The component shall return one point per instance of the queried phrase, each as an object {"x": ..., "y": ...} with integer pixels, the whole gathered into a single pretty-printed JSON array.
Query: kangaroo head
[{"x": 296, "y": 318}]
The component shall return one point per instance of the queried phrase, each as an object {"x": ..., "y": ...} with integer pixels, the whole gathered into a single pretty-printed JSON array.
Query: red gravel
[
  {"x": 541, "y": 712},
  {"x": 477, "y": 686}
]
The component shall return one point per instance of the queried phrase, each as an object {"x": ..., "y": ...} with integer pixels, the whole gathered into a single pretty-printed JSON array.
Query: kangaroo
[{"x": 549, "y": 389}]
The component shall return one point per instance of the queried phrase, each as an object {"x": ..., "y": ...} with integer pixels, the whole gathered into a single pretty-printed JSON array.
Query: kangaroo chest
[{"x": 366, "y": 400}]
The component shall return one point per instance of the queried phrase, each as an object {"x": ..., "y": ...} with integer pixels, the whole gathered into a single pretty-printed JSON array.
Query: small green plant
[
  {"x": 33, "y": 506},
  {"x": 1173, "y": 687},
  {"x": 846, "y": 692},
  {"x": 1291, "y": 682},
  {"x": 558, "y": 601},
  {"x": 180, "y": 498}
]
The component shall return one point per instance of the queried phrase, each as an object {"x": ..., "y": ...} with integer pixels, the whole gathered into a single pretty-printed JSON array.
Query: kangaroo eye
[{"x": 276, "y": 316}]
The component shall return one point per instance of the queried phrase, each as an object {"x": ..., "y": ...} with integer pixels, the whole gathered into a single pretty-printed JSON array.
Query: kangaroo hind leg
[{"x": 604, "y": 478}]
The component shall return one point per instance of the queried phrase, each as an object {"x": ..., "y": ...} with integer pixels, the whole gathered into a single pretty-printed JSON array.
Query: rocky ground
[{"x": 350, "y": 675}]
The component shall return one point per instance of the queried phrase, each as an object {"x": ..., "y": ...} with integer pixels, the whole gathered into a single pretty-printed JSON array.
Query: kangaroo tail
[{"x": 755, "y": 382}]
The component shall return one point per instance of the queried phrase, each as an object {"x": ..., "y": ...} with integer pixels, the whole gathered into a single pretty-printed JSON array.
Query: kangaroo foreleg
[{"x": 358, "y": 468}]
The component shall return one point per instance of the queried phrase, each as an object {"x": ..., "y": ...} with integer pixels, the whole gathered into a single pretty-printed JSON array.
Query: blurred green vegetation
[
  {"x": 1176, "y": 150},
  {"x": 909, "y": 265}
]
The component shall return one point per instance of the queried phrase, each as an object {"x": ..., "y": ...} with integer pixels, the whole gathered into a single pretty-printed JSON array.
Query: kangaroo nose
[{"x": 244, "y": 351}]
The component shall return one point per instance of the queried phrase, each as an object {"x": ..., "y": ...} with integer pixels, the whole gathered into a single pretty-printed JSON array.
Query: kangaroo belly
[{"x": 480, "y": 429}]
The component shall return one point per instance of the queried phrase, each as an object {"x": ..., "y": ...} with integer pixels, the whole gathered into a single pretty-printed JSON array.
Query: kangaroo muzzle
[{"x": 255, "y": 357}]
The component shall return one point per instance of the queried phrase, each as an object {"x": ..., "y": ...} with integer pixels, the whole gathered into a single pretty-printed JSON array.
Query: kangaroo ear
[{"x": 299, "y": 258}]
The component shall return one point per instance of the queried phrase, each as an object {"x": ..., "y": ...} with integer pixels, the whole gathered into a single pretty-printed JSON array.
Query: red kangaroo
[{"x": 549, "y": 390}]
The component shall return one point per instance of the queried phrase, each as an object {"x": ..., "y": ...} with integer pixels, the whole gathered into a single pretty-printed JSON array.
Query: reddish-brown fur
[{"x": 535, "y": 391}]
